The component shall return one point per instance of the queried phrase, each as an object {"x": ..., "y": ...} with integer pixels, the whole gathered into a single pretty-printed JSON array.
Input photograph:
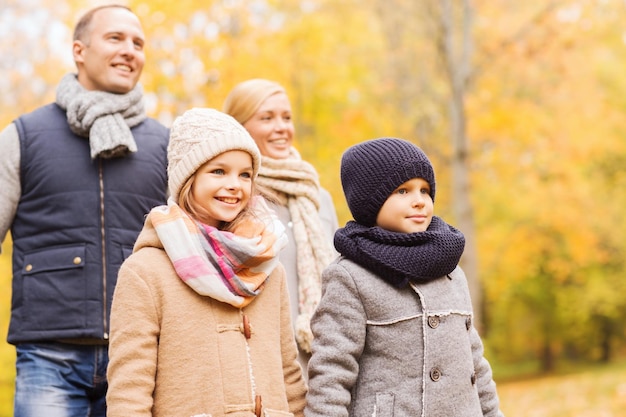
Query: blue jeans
[{"x": 60, "y": 380}]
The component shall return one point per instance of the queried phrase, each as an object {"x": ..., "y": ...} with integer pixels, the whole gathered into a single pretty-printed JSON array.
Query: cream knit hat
[{"x": 200, "y": 135}]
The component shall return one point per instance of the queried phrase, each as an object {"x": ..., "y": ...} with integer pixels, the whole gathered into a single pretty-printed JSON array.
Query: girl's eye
[
  {"x": 218, "y": 171},
  {"x": 246, "y": 175}
]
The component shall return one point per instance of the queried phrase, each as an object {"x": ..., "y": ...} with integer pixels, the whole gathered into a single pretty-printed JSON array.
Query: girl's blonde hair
[{"x": 246, "y": 97}]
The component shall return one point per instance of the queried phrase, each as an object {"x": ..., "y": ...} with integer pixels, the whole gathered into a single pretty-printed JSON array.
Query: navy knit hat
[{"x": 372, "y": 170}]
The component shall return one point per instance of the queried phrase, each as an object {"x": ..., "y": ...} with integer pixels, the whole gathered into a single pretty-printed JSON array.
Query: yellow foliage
[
  {"x": 545, "y": 113},
  {"x": 7, "y": 352}
]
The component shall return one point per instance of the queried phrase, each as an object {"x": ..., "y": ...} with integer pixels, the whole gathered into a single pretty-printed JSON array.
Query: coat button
[
  {"x": 28, "y": 268},
  {"x": 433, "y": 322},
  {"x": 77, "y": 260},
  {"x": 435, "y": 374},
  {"x": 473, "y": 378},
  {"x": 246, "y": 327},
  {"x": 468, "y": 323}
]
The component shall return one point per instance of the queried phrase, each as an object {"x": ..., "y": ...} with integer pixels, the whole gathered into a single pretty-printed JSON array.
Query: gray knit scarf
[
  {"x": 104, "y": 118},
  {"x": 298, "y": 180}
]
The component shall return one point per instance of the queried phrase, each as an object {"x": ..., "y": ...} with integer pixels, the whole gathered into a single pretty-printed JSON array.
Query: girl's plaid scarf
[{"x": 229, "y": 266}]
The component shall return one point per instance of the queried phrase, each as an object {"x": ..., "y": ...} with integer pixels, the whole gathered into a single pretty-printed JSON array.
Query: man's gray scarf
[{"x": 104, "y": 118}]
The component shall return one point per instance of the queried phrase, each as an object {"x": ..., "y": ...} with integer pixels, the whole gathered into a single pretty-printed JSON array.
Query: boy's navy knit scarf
[{"x": 402, "y": 257}]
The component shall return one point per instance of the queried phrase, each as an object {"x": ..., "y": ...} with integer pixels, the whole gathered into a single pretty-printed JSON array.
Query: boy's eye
[
  {"x": 425, "y": 191},
  {"x": 402, "y": 191}
]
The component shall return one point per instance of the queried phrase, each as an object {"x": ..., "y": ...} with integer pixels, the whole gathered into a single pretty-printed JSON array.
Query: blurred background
[{"x": 521, "y": 106}]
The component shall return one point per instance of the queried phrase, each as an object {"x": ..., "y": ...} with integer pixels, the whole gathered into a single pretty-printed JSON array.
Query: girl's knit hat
[
  {"x": 200, "y": 135},
  {"x": 372, "y": 170}
]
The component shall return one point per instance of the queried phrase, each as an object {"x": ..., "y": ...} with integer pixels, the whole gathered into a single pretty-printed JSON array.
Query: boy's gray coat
[{"x": 382, "y": 351}]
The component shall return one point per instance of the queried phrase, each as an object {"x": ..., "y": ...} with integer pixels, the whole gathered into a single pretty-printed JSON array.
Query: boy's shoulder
[
  {"x": 349, "y": 266},
  {"x": 366, "y": 280}
]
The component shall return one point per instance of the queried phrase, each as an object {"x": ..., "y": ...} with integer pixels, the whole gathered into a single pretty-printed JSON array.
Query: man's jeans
[{"x": 60, "y": 380}]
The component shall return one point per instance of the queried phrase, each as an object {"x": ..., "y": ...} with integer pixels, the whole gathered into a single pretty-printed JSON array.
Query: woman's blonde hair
[{"x": 246, "y": 97}]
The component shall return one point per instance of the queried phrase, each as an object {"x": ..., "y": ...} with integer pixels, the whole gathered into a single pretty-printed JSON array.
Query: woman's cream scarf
[{"x": 299, "y": 181}]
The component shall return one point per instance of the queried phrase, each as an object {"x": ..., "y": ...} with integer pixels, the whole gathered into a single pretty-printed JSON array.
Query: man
[{"x": 78, "y": 177}]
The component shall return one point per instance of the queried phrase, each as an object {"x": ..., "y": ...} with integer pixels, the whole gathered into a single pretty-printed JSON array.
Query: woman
[{"x": 305, "y": 208}]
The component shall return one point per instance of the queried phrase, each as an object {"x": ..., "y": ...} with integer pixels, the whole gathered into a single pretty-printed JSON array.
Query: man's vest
[{"x": 76, "y": 222}]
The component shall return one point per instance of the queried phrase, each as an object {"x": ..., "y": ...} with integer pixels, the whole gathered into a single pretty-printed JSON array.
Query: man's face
[{"x": 111, "y": 56}]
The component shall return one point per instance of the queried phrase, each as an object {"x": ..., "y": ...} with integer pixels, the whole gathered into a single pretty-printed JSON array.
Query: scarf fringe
[{"x": 300, "y": 182}]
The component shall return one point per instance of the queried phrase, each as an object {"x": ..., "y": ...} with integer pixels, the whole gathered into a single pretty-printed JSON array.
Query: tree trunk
[{"x": 456, "y": 61}]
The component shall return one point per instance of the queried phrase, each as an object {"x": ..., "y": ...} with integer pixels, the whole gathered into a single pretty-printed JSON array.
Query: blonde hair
[{"x": 246, "y": 97}]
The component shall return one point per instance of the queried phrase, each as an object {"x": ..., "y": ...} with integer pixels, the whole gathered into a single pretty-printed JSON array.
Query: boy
[{"x": 393, "y": 333}]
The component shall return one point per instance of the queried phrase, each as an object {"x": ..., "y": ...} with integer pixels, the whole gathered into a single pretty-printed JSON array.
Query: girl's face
[
  {"x": 409, "y": 209},
  {"x": 222, "y": 187},
  {"x": 271, "y": 127}
]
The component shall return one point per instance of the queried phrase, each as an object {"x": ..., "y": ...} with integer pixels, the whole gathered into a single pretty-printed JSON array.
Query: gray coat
[
  {"x": 382, "y": 351},
  {"x": 288, "y": 256}
]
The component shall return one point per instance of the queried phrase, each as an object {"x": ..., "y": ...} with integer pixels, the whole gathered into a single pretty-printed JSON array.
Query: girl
[{"x": 200, "y": 322}]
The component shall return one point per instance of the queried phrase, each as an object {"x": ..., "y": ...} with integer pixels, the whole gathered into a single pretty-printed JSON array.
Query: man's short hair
[{"x": 82, "y": 27}]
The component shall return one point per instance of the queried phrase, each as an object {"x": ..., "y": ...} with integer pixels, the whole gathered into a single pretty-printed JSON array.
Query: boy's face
[{"x": 409, "y": 209}]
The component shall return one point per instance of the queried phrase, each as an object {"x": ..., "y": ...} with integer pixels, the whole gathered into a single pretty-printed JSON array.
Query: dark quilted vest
[{"x": 76, "y": 222}]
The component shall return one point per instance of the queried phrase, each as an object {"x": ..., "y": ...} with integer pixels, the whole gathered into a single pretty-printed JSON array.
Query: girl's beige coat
[{"x": 176, "y": 353}]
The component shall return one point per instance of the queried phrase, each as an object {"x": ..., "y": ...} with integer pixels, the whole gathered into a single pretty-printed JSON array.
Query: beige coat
[{"x": 175, "y": 353}]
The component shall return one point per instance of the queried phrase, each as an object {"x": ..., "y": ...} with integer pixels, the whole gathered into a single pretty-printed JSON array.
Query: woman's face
[{"x": 271, "y": 127}]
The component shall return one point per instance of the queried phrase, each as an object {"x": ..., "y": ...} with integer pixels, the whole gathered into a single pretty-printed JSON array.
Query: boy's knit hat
[
  {"x": 372, "y": 170},
  {"x": 200, "y": 135}
]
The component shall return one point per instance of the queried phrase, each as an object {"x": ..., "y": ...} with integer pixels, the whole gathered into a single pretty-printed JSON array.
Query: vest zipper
[{"x": 104, "y": 261}]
